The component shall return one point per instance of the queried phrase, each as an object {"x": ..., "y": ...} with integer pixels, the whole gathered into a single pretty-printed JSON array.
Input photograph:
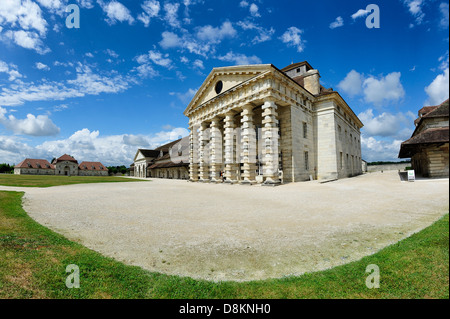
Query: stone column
[
  {"x": 193, "y": 153},
  {"x": 204, "y": 152},
  {"x": 270, "y": 136},
  {"x": 216, "y": 151},
  {"x": 248, "y": 146},
  {"x": 231, "y": 165}
]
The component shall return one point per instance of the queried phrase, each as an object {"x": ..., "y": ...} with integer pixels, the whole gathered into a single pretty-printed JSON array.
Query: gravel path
[{"x": 224, "y": 232}]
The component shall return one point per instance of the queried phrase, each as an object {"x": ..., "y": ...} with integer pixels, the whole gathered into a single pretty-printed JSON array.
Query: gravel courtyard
[{"x": 224, "y": 232}]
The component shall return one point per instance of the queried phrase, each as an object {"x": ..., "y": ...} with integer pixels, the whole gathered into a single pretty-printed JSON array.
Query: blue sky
[{"x": 123, "y": 79}]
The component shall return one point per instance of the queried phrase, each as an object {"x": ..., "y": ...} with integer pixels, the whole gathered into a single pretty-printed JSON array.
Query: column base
[
  {"x": 216, "y": 180},
  {"x": 271, "y": 182},
  {"x": 204, "y": 180},
  {"x": 248, "y": 182}
]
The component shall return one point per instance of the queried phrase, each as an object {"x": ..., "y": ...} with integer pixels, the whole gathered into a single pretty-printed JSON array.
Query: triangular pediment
[{"x": 229, "y": 77}]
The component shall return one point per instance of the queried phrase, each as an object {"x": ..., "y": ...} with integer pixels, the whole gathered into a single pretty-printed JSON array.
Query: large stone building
[
  {"x": 260, "y": 124},
  {"x": 428, "y": 146},
  {"x": 64, "y": 165},
  {"x": 167, "y": 161}
]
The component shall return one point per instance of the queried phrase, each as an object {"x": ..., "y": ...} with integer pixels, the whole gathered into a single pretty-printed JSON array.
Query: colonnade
[{"x": 220, "y": 146}]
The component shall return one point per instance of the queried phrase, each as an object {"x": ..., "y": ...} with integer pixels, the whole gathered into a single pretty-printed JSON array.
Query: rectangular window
[
  {"x": 341, "y": 161},
  {"x": 306, "y": 161},
  {"x": 305, "y": 130}
]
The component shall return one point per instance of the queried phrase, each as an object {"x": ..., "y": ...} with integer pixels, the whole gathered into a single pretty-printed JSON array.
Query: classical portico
[{"x": 258, "y": 124}]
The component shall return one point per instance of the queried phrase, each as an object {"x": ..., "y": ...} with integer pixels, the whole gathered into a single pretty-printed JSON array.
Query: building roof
[
  {"x": 149, "y": 153},
  {"x": 166, "y": 147},
  {"x": 66, "y": 157},
  {"x": 428, "y": 136},
  {"x": 296, "y": 65},
  {"x": 92, "y": 166},
  {"x": 35, "y": 163}
]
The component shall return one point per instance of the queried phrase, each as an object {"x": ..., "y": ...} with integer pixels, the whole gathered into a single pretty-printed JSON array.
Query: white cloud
[
  {"x": 415, "y": 8},
  {"x": 111, "y": 53},
  {"x": 32, "y": 125},
  {"x": 254, "y": 10},
  {"x": 116, "y": 12},
  {"x": 352, "y": 83},
  {"x": 339, "y": 22},
  {"x": 86, "y": 82},
  {"x": 373, "y": 149},
  {"x": 172, "y": 14},
  {"x": 360, "y": 13},
  {"x": 42, "y": 66},
  {"x": 25, "y": 14},
  {"x": 375, "y": 90},
  {"x": 215, "y": 35},
  {"x": 170, "y": 40},
  {"x": 86, "y": 145},
  {"x": 387, "y": 124},
  {"x": 151, "y": 10},
  {"x": 156, "y": 57},
  {"x": 87, "y": 4},
  {"x": 185, "y": 97},
  {"x": 292, "y": 37},
  {"x": 240, "y": 59},
  {"x": 388, "y": 88},
  {"x": 263, "y": 34},
  {"x": 10, "y": 69},
  {"x": 198, "y": 64},
  {"x": 243, "y": 4},
  {"x": 438, "y": 90},
  {"x": 27, "y": 39},
  {"x": 443, "y": 8}
]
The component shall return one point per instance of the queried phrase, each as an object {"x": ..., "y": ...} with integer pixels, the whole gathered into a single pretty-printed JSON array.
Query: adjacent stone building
[
  {"x": 65, "y": 165},
  {"x": 31, "y": 166},
  {"x": 260, "y": 124},
  {"x": 167, "y": 161},
  {"x": 428, "y": 146}
]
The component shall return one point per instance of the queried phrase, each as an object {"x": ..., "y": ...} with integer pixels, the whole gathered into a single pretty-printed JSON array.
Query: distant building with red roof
[{"x": 64, "y": 165}]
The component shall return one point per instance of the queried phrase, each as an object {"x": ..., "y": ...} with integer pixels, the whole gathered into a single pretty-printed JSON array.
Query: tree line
[
  {"x": 6, "y": 169},
  {"x": 117, "y": 169}
]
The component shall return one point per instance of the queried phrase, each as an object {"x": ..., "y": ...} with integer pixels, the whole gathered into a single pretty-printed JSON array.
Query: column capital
[{"x": 269, "y": 104}]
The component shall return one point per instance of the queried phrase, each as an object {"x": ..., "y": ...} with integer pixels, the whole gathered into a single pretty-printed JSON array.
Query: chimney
[{"x": 311, "y": 81}]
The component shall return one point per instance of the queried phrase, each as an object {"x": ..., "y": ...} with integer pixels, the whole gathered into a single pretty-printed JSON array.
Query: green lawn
[
  {"x": 33, "y": 260},
  {"x": 48, "y": 181}
]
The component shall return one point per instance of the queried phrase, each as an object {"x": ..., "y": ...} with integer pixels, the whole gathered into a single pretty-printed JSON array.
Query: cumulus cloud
[
  {"x": 339, "y": 22},
  {"x": 383, "y": 89},
  {"x": 263, "y": 33},
  {"x": 185, "y": 97},
  {"x": 42, "y": 66},
  {"x": 110, "y": 150},
  {"x": 214, "y": 35},
  {"x": 171, "y": 16},
  {"x": 26, "y": 39},
  {"x": 387, "y": 124},
  {"x": 438, "y": 90},
  {"x": 360, "y": 13},
  {"x": 352, "y": 83},
  {"x": 293, "y": 37},
  {"x": 373, "y": 149},
  {"x": 151, "y": 10},
  {"x": 116, "y": 12},
  {"x": 240, "y": 59},
  {"x": 10, "y": 69},
  {"x": 32, "y": 125}
]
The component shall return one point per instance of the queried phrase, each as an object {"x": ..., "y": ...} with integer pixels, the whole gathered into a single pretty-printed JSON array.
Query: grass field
[
  {"x": 33, "y": 260},
  {"x": 48, "y": 181}
]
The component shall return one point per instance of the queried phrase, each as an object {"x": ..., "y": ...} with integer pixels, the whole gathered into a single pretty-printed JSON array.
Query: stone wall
[
  {"x": 33, "y": 171},
  {"x": 387, "y": 167}
]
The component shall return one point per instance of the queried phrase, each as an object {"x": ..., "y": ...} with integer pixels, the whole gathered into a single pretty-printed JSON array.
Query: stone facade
[
  {"x": 428, "y": 146},
  {"x": 259, "y": 124},
  {"x": 167, "y": 161}
]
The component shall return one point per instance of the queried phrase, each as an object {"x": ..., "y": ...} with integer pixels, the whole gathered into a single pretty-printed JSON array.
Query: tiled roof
[
  {"x": 149, "y": 153},
  {"x": 35, "y": 163},
  {"x": 66, "y": 157},
  {"x": 91, "y": 166},
  {"x": 428, "y": 136}
]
